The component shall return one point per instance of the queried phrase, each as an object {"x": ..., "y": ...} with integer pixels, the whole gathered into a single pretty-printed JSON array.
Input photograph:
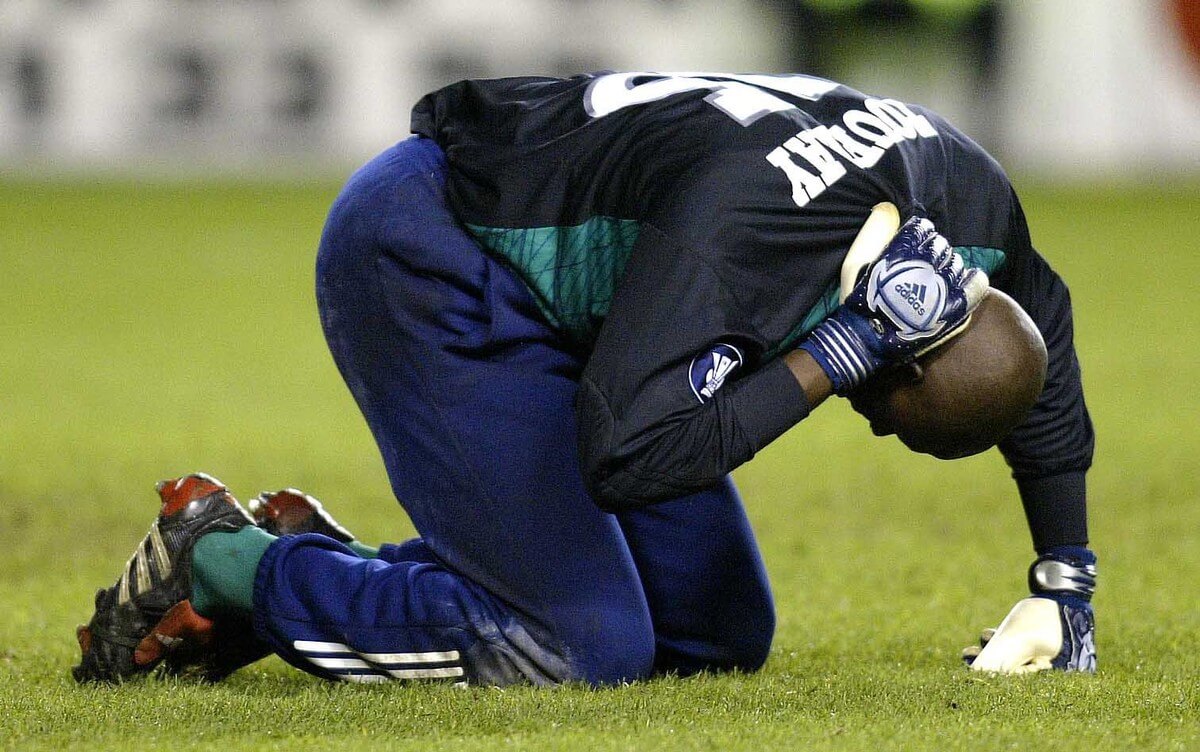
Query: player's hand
[
  {"x": 1052, "y": 629},
  {"x": 915, "y": 296}
]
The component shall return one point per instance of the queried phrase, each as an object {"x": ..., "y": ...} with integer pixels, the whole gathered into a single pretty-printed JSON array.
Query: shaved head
[{"x": 968, "y": 394}]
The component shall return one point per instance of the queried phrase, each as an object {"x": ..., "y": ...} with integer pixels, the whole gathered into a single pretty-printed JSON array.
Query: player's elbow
[
  {"x": 605, "y": 468},
  {"x": 601, "y": 482},
  {"x": 627, "y": 469},
  {"x": 620, "y": 482},
  {"x": 597, "y": 461}
]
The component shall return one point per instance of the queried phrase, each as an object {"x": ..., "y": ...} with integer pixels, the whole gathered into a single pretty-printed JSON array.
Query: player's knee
[
  {"x": 740, "y": 639},
  {"x": 750, "y": 643},
  {"x": 617, "y": 647}
]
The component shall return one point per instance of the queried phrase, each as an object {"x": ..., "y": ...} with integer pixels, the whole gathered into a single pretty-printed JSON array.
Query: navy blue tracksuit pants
[{"x": 516, "y": 576}]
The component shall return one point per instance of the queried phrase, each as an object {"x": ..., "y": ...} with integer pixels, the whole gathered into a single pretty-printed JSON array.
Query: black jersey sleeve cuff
[
  {"x": 1056, "y": 509},
  {"x": 770, "y": 404}
]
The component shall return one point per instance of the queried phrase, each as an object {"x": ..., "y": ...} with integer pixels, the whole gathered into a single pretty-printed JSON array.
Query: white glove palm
[
  {"x": 1030, "y": 639},
  {"x": 1053, "y": 629}
]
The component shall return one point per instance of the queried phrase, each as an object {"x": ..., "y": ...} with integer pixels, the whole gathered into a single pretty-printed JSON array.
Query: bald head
[{"x": 965, "y": 396}]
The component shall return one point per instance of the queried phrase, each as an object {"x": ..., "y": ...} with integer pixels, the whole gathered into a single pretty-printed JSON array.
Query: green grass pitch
[{"x": 150, "y": 331}]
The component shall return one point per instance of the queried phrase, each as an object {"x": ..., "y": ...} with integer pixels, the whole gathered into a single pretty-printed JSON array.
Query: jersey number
[{"x": 745, "y": 98}]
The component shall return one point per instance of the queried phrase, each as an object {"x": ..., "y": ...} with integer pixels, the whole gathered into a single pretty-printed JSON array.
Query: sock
[
  {"x": 223, "y": 569},
  {"x": 363, "y": 550}
]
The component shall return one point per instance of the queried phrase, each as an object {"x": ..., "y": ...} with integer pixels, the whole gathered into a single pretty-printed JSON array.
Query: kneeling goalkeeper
[{"x": 567, "y": 309}]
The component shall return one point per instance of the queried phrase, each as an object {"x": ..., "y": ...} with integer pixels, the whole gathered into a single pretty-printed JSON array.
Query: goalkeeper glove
[
  {"x": 914, "y": 297},
  {"x": 1052, "y": 629}
]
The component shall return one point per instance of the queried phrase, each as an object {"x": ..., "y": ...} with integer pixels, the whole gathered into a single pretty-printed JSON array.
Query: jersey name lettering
[
  {"x": 886, "y": 123},
  {"x": 745, "y": 98}
]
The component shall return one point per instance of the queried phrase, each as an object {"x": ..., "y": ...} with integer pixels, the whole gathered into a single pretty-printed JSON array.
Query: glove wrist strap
[
  {"x": 841, "y": 353},
  {"x": 1064, "y": 573}
]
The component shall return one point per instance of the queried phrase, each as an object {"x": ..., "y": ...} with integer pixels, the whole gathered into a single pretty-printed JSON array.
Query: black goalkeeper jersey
[{"x": 686, "y": 229}]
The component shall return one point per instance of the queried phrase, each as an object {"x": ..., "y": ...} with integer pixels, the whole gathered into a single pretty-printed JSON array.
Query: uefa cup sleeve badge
[{"x": 709, "y": 371}]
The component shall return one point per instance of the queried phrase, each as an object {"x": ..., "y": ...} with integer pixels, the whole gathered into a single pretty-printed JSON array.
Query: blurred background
[
  {"x": 165, "y": 170},
  {"x": 166, "y": 166},
  {"x": 1070, "y": 87}
]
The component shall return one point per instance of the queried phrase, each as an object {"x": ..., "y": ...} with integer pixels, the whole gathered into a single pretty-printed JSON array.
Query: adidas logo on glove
[
  {"x": 915, "y": 295},
  {"x": 911, "y": 294}
]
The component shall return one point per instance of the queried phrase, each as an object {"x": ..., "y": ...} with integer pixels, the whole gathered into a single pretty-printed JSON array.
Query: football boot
[
  {"x": 292, "y": 512},
  {"x": 124, "y": 638}
]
